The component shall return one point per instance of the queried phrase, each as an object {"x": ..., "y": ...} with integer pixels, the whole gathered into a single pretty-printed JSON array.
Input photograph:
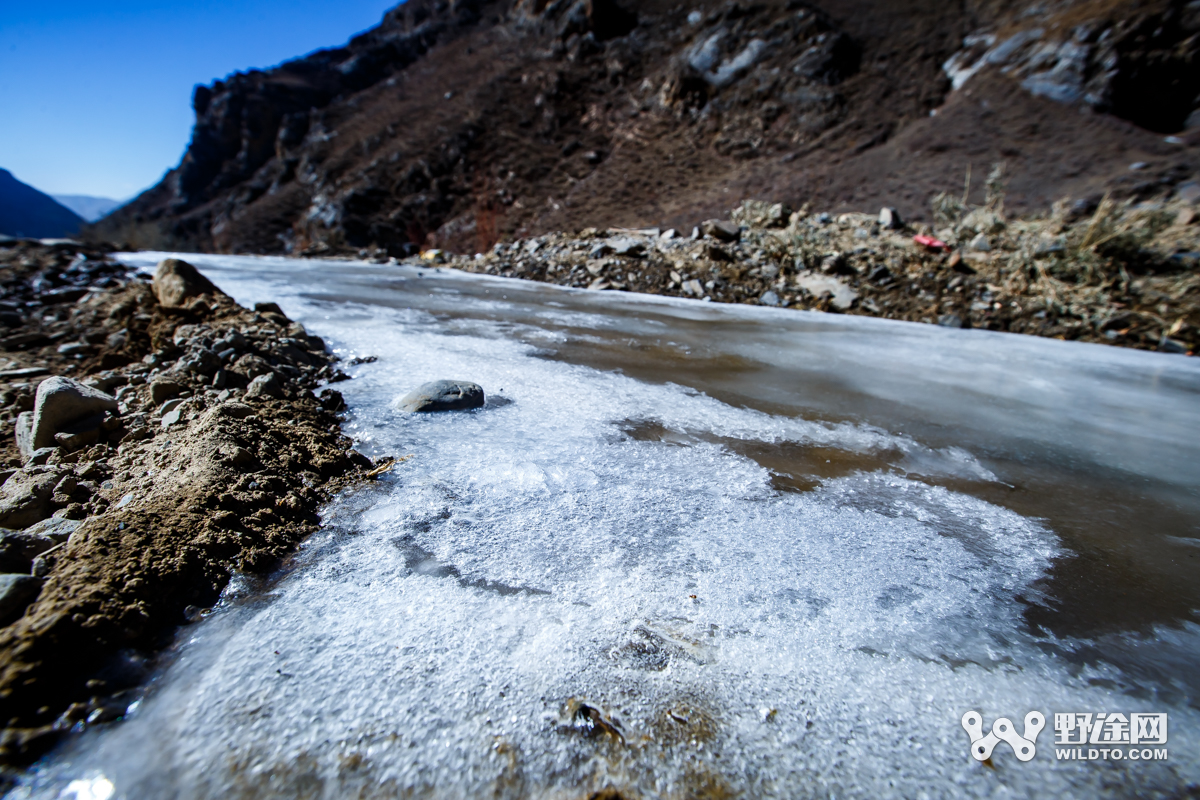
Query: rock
[
  {"x": 627, "y": 246},
  {"x": 61, "y": 402},
  {"x": 264, "y": 385},
  {"x": 19, "y": 548},
  {"x": 717, "y": 253},
  {"x": 252, "y": 366},
  {"x": 70, "y": 442},
  {"x": 24, "y": 434},
  {"x": 162, "y": 390},
  {"x": 174, "y": 416},
  {"x": 769, "y": 298},
  {"x": 16, "y": 593},
  {"x": 950, "y": 321},
  {"x": 443, "y": 396},
  {"x": 889, "y": 219},
  {"x": 25, "y": 498},
  {"x": 1168, "y": 345},
  {"x": 981, "y": 244},
  {"x": 41, "y": 456},
  {"x": 235, "y": 409},
  {"x": 843, "y": 296},
  {"x": 74, "y": 349},
  {"x": 721, "y": 229},
  {"x": 170, "y": 406},
  {"x": 269, "y": 308},
  {"x": 54, "y": 528},
  {"x": 176, "y": 281}
]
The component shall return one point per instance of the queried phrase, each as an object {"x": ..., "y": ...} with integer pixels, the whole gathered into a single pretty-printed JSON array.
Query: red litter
[{"x": 930, "y": 242}]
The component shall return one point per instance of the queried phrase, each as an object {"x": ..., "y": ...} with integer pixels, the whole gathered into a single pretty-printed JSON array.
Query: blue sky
[{"x": 95, "y": 97}]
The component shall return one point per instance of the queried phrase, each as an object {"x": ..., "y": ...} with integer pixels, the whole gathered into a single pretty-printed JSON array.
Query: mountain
[
  {"x": 455, "y": 124},
  {"x": 86, "y": 206},
  {"x": 24, "y": 211}
]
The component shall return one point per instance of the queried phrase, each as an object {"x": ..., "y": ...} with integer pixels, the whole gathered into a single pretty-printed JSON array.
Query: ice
[{"x": 447, "y": 630}]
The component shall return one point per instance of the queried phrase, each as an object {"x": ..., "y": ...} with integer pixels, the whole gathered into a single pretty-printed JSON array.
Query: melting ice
[{"x": 536, "y": 604}]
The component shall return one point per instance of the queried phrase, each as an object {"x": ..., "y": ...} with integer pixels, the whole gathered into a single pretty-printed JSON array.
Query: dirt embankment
[
  {"x": 1114, "y": 273},
  {"x": 209, "y": 453}
]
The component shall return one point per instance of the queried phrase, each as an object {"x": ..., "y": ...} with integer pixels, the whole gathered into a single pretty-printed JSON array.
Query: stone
[
  {"x": 627, "y": 246},
  {"x": 18, "y": 549},
  {"x": 74, "y": 349},
  {"x": 721, "y": 229},
  {"x": 981, "y": 244},
  {"x": 41, "y": 456},
  {"x": 24, "y": 434},
  {"x": 842, "y": 296},
  {"x": 60, "y": 402},
  {"x": 443, "y": 396},
  {"x": 950, "y": 321},
  {"x": 54, "y": 528},
  {"x": 162, "y": 390},
  {"x": 269, "y": 308},
  {"x": 769, "y": 298},
  {"x": 174, "y": 416},
  {"x": 16, "y": 593},
  {"x": 267, "y": 385},
  {"x": 1168, "y": 345},
  {"x": 251, "y": 366},
  {"x": 176, "y": 281},
  {"x": 889, "y": 219},
  {"x": 25, "y": 498},
  {"x": 235, "y": 409}
]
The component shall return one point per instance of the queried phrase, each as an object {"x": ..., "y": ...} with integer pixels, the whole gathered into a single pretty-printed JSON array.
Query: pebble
[
  {"x": 981, "y": 244},
  {"x": 769, "y": 298},
  {"x": 889, "y": 219}
]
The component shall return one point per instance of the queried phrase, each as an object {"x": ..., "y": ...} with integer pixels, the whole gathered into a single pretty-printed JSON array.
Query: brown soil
[
  {"x": 165, "y": 511},
  {"x": 490, "y": 121}
]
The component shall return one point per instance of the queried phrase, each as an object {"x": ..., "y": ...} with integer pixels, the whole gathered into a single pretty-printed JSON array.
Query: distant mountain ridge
[
  {"x": 26, "y": 212},
  {"x": 89, "y": 207},
  {"x": 458, "y": 123}
]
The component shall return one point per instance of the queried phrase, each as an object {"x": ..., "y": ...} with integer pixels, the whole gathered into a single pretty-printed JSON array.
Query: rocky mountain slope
[
  {"x": 459, "y": 124},
  {"x": 24, "y": 211}
]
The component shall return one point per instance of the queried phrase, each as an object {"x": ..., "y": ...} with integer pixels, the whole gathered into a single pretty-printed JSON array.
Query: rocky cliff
[{"x": 457, "y": 124}]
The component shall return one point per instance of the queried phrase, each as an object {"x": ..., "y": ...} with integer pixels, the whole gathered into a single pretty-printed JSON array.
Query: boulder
[
  {"x": 61, "y": 403},
  {"x": 721, "y": 229},
  {"x": 443, "y": 396},
  {"x": 25, "y": 498},
  {"x": 176, "y": 281},
  {"x": 16, "y": 593}
]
